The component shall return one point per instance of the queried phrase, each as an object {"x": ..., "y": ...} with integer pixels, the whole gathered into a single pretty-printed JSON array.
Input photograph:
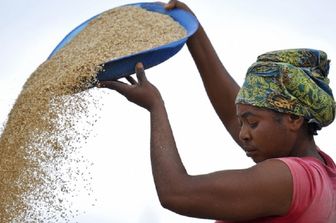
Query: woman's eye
[{"x": 253, "y": 124}]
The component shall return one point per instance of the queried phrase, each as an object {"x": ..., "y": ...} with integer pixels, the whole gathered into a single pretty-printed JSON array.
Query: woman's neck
[{"x": 307, "y": 148}]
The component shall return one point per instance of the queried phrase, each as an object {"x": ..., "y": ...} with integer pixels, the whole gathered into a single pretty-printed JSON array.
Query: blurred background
[{"x": 122, "y": 184}]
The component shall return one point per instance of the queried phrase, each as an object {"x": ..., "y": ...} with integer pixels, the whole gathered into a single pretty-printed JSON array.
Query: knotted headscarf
[{"x": 291, "y": 81}]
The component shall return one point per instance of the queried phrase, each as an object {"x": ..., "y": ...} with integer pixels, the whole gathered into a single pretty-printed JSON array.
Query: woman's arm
[
  {"x": 263, "y": 190},
  {"x": 219, "y": 85}
]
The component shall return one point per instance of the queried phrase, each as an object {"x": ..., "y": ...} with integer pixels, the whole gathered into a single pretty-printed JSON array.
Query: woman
[{"x": 284, "y": 100}]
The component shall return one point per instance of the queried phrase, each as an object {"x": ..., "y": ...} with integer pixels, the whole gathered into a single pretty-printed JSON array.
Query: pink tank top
[{"x": 314, "y": 192}]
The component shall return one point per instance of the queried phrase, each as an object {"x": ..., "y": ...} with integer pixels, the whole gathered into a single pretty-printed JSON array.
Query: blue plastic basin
[{"x": 124, "y": 66}]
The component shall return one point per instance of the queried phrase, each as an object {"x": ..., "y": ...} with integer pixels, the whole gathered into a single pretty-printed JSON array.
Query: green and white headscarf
[{"x": 291, "y": 81}]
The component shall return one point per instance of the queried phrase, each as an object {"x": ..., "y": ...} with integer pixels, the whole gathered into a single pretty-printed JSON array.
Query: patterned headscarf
[{"x": 291, "y": 81}]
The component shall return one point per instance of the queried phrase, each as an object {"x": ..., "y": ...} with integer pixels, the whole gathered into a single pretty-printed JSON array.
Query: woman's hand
[
  {"x": 140, "y": 92},
  {"x": 177, "y": 4}
]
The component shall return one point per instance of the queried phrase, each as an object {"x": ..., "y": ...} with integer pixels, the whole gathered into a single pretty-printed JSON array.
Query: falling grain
[{"x": 39, "y": 158}]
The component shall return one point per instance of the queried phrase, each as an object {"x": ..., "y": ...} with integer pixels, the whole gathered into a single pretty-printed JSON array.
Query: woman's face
[{"x": 263, "y": 133}]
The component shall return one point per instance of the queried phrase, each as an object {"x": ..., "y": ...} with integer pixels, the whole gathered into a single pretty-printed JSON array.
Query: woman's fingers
[
  {"x": 114, "y": 85},
  {"x": 123, "y": 88},
  {"x": 177, "y": 4},
  {"x": 131, "y": 80},
  {"x": 170, "y": 5},
  {"x": 140, "y": 73}
]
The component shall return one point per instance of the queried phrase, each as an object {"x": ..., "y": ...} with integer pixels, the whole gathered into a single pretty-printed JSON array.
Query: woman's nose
[{"x": 244, "y": 134}]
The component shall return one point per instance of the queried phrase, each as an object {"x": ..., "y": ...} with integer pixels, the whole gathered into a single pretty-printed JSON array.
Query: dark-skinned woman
[{"x": 274, "y": 116}]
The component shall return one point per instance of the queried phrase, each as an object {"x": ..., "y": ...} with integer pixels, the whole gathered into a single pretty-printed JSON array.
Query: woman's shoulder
[
  {"x": 314, "y": 184},
  {"x": 309, "y": 163},
  {"x": 310, "y": 172}
]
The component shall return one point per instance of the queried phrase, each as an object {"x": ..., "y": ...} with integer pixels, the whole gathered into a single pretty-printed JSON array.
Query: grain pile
[{"x": 39, "y": 161}]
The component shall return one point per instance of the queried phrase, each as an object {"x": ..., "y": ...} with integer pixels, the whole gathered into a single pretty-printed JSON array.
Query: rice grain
[{"x": 40, "y": 161}]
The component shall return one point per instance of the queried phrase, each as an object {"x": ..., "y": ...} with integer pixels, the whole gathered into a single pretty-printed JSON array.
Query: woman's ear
[{"x": 295, "y": 122}]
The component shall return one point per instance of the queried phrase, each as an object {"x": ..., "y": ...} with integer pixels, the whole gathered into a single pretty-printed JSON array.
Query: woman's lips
[{"x": 250, "y": 151}]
